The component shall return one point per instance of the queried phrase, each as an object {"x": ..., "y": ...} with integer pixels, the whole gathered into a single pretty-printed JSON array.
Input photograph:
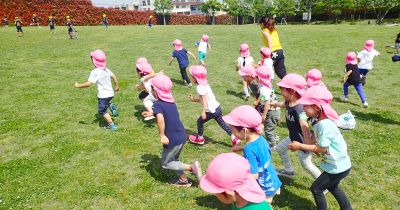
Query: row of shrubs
[{"x": 83, "y": 12}]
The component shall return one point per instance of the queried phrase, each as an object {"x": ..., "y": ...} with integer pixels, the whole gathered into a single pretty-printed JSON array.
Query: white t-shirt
[
  {"x": 102, "y": 78},
  {"x": 203, "y": 47},
  {"x": 212, "y": 103},
  {"x": 246, "y": 61},
  {"x": 366, "y": 58},
  {"x": 268, "y": 94},
  {"x": 268, "y": 62}
]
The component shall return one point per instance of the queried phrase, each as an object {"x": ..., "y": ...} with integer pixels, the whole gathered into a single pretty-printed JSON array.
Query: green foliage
[{"x": 163, "y": 7}]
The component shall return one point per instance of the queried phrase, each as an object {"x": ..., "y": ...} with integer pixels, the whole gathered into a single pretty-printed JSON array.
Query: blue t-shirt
[
  {"x": 181, "y": 56},
  {"x": 174, "y": 129},
  {"x": 336, "y": 159},
  {"x": 293, "y": 122},
  {"x": 258, "y": 154}
]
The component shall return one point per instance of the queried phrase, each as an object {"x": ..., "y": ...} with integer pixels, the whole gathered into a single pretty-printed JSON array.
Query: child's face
[
  {"x": 288, "y": 94},
  {"x": 248, "y": 78},
  {"x": 193, "y": 79},
  {"x": 154, "y": 93},
  {"x": 236, "y": 132},
  {"x": 226, "y": 197},
  {"x": 311, "y": 110},
  {"x": 262, "y": 55}
]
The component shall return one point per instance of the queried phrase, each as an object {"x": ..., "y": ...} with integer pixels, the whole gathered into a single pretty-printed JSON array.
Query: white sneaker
[
  {"x": 196, "y": 169},
  {"x": 365, "y": 104},
  {"x": 149, "y": 118},
  {"x": 344, "y": 98}
]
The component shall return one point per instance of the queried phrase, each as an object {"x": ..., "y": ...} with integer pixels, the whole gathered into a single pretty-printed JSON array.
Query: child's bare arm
[
  {"x": 140, "y": 86},
  {"x": 83, "y": 85},
  {"x": 193, "y": 99},
  {"x": 209, "y": 46},
  {"x": 265, "y": 112},
  {"x": 295, "y": 145},
  {"x": 114, "y": 78},
  {"x": 161, "y": 128},
  {"x": 278, "y": 104},
  {"x": 190, "y": 53},
  {"x": 346, "y": 75},
  {"x": 203, "y": 100},
  {"x": 170, "y": 60}
]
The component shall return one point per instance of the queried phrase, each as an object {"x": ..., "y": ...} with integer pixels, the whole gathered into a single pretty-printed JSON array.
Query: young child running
[
  {"x": 270, "y": 115},
  {"x": 365, "y": 57},
  {"x": 328, "y": 143},
  {"x": 101, "y": 76},
  {"x": 244, "y": 60},
  {"x": 266, "y": 60},
  {"x": 246, "y": 124},
  {"x": 180, "y": 54},
  {"x": 396, "y": 43},
  {"x": 145, "y": 73},
  {"x": 228, "y": 178},
  {"x": 104, "y": 20},
  {"x": 52, "y": 23},
  {"x": 71, "y": 30},
  {"x": 171, "y": 131},
  {"x": 313, "y": 78},
  {"x": 18, "y": 25},
  {"x": 248, "y": 74},
  {"x": 202, "y": 48},
  {"x": 210, "y": 106},
  {"x": 352, "y": 77},
  {"x": 292, "y": 86}
]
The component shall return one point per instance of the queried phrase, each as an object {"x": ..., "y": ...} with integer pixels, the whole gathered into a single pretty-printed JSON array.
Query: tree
[
  {"x": 308, "y": 5},
  {"x": 163, "y": 7},
  {"x": 232, "y": 8},
  {"x": 284, "y": 7},
  {"x": 210, "y": 8},
  {"x": 382, "y": 7}
]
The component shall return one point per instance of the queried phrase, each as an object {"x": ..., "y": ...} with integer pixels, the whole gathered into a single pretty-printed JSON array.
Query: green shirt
[{"x": 253, "y": 206}]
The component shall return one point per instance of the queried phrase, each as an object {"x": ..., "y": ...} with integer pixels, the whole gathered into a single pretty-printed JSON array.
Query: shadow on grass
[
  {"x": 138, "y": 114},
  {"x": 97, "y": 119},
  {"x": 208, "y": 139},
  {"x": 152, "y": 164},
  {"x": 179, "y": 82},
  {"x": 233, "y": 93},
  {"x": 348, "y": 102},
  {"x": 375, "y": 117},
  {"x": 289, "y": 200},
  {"x": 210, "y": 201}
]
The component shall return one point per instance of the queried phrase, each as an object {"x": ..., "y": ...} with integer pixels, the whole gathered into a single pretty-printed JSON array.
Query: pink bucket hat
[
  {"x": 245, "y": 116},
  {"x": 162, "y": 85},
  {"x": 177, "y": 44},
  {"x": 266, "y": 52},
  {"x": 244, "y": 50},
  {"x": 293, "y": 81},
  {"x": 231, "y": 172},
  {"x": 144, "y": 68},
  {"x": 369, "y": 45},
  {"x": 204, "y": 37},
  {"x": 199, "y": 73},
  {"x": 141, "y": 60},
  {"x": 99, "y": 58},
  {"x": 313, "y": 77},
  {"x": 248, "y": 71},
  {"x": 351, "y": 58},
  {"x": 319, "y": 95},
  {"x": 264, "y": 74}
]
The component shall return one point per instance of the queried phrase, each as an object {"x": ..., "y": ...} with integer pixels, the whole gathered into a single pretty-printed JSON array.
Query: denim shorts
[{"x": 103, "y": 104}]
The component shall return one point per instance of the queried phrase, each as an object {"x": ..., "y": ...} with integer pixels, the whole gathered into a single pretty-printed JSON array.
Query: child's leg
[
  {"x": 360, "y": 92},
  {"x": 200, "y": 123},
  {"x": 170, "y": 160},
  {"x": 102, "y": 106},
  {"x": 218, "y": 117},
  {"x": 283, "y": 151},
  {"x": 279, "y": 63},
  {"x": 148, "y": 103},
  {"x": 184, "y": 75},
  {"x": 346, "y": 89},
  {"x": 306, "y": 162},
  {"x": 273, "y": 117}
]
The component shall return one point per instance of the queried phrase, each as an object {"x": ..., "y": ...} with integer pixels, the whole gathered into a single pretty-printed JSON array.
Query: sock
[
  {"x": 233, "y": 137},
  {"x": 200, "y": 137},
  {"x": 246, "y": 91}
]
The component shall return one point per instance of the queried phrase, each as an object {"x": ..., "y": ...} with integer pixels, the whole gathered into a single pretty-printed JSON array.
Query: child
[
  {"x": 52, "y": 23},
  {"x": 101, "y": 76},
  {"x": 203, "y": 45},
  {"x": 365, "y": 57},
  {"x": 228, "y": 178},
  {"x": 313, "y": 78},
  {"x": 104, "y": 21},
  {"x": 352, "y": 77},
  {"x": 396, "y": 43},
  {"x": 244, "y": 60},
  {"x": 18, "y": 25},
  {"x": 270, "y": 115},
  {"x": 248, "y": 74},
  {"x": 171, "y": 131},
  {"x": 71, "y": 30},
  {"x": 266, "y": 60},
  {"x": 35, "y": 20},
  {"x": 145, "y": 73},
  {"x": 211, "y": 107},
  {"x": 180, "y": 54},
  {"x": 5, "y": 22},
  {"x": 246, "y": 123},
  {"x": 292, "y": 86},
  {"x": 328, "y": 143},
  {"x": 150, "y": 24}
]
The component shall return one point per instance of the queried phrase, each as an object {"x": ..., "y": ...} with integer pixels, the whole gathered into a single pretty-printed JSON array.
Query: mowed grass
[{"x": 54, "y": 154}]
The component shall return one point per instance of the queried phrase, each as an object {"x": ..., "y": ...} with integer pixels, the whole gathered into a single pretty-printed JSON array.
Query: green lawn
[{"x": 54, "y": 155}]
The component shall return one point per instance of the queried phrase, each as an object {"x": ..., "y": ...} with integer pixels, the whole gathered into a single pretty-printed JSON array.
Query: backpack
[{"x": 346, "y": 121}]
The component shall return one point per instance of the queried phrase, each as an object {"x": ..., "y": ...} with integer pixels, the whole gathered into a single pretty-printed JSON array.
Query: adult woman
[{"x": 270, "y": 38}]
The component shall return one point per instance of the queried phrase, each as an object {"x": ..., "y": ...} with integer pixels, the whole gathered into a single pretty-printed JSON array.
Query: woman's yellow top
[{"x": 276, "y": 44}]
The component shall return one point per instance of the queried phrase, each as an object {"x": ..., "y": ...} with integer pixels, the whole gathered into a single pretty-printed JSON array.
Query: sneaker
[
  {"x": 149, "y": 118},
  {"x": 190, "y": 85},
  {"x": 276, "y": 138},
  {"x": 112, "y": 127},
  {"x": 236, "y": 142},
  {"x": 283, "y": 172},
  {"x": 272, "y": 146},
  {"x": 114, "y": 109},
  {"x": 196, "y": 140},
  {"x": 246, "y": 98},
  {"x": 326, "y": 192},
  {"x": 365, "y": 104},
  {"x": 181, "y": 183},
  {"x": 196, "y": 169},
  {"x": 344, "y": 98}
]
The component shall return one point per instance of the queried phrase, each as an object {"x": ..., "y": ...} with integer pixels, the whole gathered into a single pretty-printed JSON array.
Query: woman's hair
[{"x": 267, "y": 22}]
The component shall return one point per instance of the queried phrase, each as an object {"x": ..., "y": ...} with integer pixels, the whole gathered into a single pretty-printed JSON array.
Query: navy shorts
[
  {"x": 51, "y": 27},
  {"x": 103, "y": 104},
  {"x": 19, "y": 29}
]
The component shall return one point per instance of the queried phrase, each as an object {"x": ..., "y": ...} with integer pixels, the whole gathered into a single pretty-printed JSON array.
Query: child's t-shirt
[
  {"x": 18, "y": 23},
  {"x": 52, "y": 21},
  {"x": 212, "y": 103},
  {"x": 181, "y": 56},
  {"x": 336, "y": 159},
  {"x": 253, "y": 206},
  {"x": 202, "y": 46},
  {"x": 245, "y": 61},
  {"x": 259, "y": 156},
  {"x": 268, "y": 62},
  {"x": 265, "y": 94},
  {"x": 293, "y": 122},
  {"x": 354, "y": 78},
  {"x": 102, "y": 78},
  {"x": 174, "y": 129},
  {"x": 366, "y": 58}
]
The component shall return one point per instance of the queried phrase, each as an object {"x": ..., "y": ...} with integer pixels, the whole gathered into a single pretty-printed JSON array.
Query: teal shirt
[
  {"x": 336, "y": 159},
  {"x": 253, "y": 206}
]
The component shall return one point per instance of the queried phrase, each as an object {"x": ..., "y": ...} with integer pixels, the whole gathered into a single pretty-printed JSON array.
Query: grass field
[{"x": 54, "y": 154}]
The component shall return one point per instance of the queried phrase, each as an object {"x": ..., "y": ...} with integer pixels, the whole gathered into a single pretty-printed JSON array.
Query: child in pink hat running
[
  {"x": 211, "y": 107},
  {"x": 292, "y": 87},
  {"x": 248, "y": 74},
  {"x": 202, "y": 48},
  {"x": 328, "y": 143},
  {"x": 246, "y": 124},
  {"x": 180, "y": 54},
  {"x": 171, "y": 131},
  {"x": 101, "y": 76},
  {"x": 228, "y": 178},
  {"x": 314, "y": 78},
  {"x": 244, "y": 61},
  {"x": 366, "y": 56},
  {"x": 266, "y": 60}
]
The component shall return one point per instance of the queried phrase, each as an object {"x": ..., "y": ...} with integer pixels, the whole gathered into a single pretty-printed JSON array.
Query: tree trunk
[
  {"x": 309, "y": 12},
  {"x": 164, "y": 19},
  {"x": 237, "y": 19}
]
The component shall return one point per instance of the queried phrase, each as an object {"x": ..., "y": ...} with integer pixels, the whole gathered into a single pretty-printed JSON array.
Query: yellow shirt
[{"x": 276, "y": 44}]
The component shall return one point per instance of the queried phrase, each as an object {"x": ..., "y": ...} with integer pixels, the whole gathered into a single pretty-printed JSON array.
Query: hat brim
[
  {"x": 313, "y": 82},
  {"x": 251, "y": 190},
  {"x": 245, "y": 53},
  {"x": 330, "y": 112},
  {"x": 230, "y": 120},
  {"x": 209, "y": 186}
]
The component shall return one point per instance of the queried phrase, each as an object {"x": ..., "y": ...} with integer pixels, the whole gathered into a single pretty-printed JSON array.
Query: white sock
[
  {"x": 200, "y": 137},
  {"x": 233, "y": 137}
]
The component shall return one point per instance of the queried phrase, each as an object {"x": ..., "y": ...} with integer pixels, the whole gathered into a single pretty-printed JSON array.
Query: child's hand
[
  {"x": 76, "y": 85},
  {"x": 203, "y": 115},
  {"x": 116, "y": 89},
  {"x": 164, "y": 140},
  {"x": 294, "y": 146},
  {"x": 147, "y": 114},
  {"x": 344, "y": 79},
  {"x": 255, "y": 103},
  {"x": 191, "y": 97}
]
